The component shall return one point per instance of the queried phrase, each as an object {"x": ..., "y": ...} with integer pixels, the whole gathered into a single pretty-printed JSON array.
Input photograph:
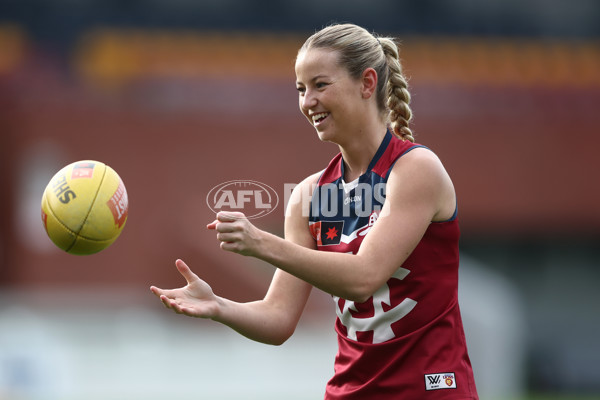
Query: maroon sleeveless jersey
[{"x": 407, "y": 340}]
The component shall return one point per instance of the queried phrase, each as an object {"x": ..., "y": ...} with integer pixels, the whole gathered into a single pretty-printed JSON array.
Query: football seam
[
  {"x": 91, "y": 208},
  {"x": 71, "y": 230},
  {"x": 87, "y": 215}
]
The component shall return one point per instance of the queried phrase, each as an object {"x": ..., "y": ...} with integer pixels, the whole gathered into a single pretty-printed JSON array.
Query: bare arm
[
  {"x": 271, "y": 320},
  {"x": 418, "y": 191}
]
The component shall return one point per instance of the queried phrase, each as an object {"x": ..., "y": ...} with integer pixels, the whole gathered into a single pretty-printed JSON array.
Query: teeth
[{"x": 317, "y": 117}]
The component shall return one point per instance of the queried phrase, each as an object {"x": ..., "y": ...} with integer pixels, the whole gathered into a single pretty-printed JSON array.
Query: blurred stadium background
[{"x": 180, "y": 96}]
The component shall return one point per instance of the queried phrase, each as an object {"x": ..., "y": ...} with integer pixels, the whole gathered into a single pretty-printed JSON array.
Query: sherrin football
[{"x": 84, "y": 207}]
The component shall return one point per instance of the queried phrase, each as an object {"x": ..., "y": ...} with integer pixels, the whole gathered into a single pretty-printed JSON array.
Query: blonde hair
[{"x": 358, "y": 50}]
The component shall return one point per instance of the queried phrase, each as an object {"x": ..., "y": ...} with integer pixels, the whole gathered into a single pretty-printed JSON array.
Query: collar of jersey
[{"x": 382, "y": 147}]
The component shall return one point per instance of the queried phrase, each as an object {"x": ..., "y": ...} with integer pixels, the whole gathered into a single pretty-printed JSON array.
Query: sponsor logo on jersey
[
  {"x": 330, "y": 200},
  {"x": 445, "y": 380}
]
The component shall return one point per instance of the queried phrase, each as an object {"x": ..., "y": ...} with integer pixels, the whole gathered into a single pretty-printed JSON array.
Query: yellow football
[{"x": 84, "y": 207}]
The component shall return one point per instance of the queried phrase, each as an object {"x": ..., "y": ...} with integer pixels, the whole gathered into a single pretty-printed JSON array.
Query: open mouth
[{"x": 318, "y": 118}]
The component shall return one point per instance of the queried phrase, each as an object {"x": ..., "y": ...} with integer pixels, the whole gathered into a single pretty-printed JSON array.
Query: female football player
[{"x": 377, "y": 229}]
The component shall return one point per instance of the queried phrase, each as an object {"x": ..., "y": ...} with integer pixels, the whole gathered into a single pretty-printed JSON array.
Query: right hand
[{"x": 196, "y": 299}]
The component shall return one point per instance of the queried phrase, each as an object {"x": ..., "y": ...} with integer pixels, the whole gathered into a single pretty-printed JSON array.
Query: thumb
[{"x": 185, "y": 271}]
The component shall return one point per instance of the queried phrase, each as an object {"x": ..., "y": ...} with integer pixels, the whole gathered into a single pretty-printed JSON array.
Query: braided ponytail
[{"x": 398, "y": 96}]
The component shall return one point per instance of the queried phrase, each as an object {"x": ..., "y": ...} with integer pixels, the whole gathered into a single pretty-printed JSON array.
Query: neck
[{"x": 358, "y": 153}]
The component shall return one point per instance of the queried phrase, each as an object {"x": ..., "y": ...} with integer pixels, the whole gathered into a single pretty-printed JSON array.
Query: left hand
[
  {"x": 236, "y": 233},
  {"x": 196, "y": 299}
]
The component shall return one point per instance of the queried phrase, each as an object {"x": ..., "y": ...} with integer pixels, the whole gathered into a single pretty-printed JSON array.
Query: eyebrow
[{"x": 316, "y": 78}]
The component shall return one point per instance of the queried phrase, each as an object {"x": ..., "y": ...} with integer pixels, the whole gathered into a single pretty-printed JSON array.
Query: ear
[{"x": 369, "y": 83}]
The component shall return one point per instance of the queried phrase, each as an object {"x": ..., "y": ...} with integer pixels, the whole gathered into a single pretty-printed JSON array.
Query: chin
[{"x": 325, "y": 136}]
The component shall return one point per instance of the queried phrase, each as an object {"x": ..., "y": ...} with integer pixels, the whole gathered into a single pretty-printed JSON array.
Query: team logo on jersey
[
  {"x": 445, "y": 380},
  {"x": 327, "y": 232},
  {"x": 384, "y": 313}
]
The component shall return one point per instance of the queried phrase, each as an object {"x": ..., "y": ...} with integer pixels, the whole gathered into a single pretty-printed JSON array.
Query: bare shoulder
[
  {"x": 419, "y": 162},
  {"x": 311, "y": 180},
  {"x": 420, "y": 176},
  {"x": 420, "y": 155}
]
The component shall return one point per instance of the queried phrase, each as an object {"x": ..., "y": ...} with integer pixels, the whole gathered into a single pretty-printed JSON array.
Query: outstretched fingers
[
  {"x": 172, "y": 304},
  {"x": 180, "y": 306},
  {"x": 159, "y": 292},
  {"x": 166, "y": 296}
]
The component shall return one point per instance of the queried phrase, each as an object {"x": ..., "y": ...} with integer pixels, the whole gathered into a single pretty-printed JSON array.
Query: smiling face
[{"x": 328, "y": 97}]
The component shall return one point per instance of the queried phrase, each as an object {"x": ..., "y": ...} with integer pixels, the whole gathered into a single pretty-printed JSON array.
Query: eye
[
  {"x": 301, "y": 89},
  {"x": 320, "y": 85}
]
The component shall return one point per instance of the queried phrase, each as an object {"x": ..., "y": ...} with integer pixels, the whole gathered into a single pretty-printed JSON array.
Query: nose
[{"x": 308, "y": 100}]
